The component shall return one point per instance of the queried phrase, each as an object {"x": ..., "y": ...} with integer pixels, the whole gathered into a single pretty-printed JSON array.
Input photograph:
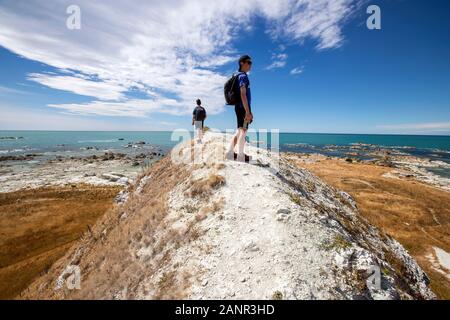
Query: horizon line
[{"x": 284, "y": 132}]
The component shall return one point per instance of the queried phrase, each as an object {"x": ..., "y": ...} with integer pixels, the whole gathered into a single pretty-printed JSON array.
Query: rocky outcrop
[{"x": 206, "y": 228}]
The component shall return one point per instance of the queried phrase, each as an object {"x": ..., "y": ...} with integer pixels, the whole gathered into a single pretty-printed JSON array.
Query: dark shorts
[{"x": 240, "y": 116}]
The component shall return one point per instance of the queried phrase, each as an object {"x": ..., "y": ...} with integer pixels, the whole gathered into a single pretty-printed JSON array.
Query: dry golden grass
[
  {"x": 204, "y": 187},
  {"x": 219, "y": 166},
  {"x": 107, "y": 257},
  {"x": 39, "y": 225},
  {"x": 415, "y": 214},
  {"x": 209, "y": 209}
]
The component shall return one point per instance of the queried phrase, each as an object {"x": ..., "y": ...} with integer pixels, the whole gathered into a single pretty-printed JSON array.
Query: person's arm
[
  {"x": 193, "y": 119},
  {"x": 248, "y": 114}
]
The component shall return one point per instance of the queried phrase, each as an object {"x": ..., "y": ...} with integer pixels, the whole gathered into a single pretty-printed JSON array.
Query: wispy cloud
[
  {"x": 103, "y": 90},
  {"x": 168, "y": 123},
  {"x": 297, "y": 70},
  {"x": 152, "y": 47},
  {"x": 425, "y": 127},
  {"x": 278, "y": 61},
  {"x": 7, "y": 90}
]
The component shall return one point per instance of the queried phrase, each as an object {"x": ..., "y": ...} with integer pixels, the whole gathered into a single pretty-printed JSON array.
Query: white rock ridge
[{"x": 283, "y": 233}]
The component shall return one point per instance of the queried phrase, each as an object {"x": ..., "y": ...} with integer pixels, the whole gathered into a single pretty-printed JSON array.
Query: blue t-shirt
[{"x": 244, "y": 81}]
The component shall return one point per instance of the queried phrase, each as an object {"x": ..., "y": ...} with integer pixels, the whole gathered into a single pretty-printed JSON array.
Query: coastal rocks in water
[
  {"x": 89, "y": 148},
  {"x": 362, "y": 146},
  {"x": 26, "y": 157},
  {"x": 140, "y": 156},
  {"x": 10, "y": 138},
  {"x": 65, "y": 170},
  {"x": 112, "y": 156},
  {"x": 135, "y": 145},
  {"x": 420, "y": 169},
  {"x": 134, "y": 160}
]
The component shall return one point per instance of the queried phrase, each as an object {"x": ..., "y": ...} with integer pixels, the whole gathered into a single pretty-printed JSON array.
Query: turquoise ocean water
[
  {"x": 43, "y": 141},
  {"x": 50, "y": 143}
]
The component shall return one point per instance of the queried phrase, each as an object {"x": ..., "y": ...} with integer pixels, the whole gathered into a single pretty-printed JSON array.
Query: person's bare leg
[
  {"x": 241, "y": 144},
  {"x": 199, "y": 135},
  {"x": 234, "y": 139}
]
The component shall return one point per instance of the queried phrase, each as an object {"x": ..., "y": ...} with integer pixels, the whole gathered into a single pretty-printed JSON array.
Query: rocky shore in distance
[
  {"x": 26, "y": 157},
  {"x": 10, "y": 138},
  {"x": 404, "y": 166},
  {"x": 109, "y": 168}
]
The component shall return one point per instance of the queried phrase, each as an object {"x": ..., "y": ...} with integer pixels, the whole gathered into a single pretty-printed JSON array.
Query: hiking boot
[
  {"x": 230, "y": 156},
  {"x": 247, "y": 157}
]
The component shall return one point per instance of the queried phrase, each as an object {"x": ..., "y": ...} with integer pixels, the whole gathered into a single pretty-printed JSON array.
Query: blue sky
[{"x": 317, "y": 68}]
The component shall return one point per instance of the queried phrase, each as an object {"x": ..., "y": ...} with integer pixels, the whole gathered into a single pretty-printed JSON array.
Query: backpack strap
[{"x": 235, "y": 76}]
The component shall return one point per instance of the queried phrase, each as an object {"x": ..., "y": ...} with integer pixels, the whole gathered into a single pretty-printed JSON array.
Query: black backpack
[
  {"x": 200, "y": 114},
  {"x": 231, "y": 92}
]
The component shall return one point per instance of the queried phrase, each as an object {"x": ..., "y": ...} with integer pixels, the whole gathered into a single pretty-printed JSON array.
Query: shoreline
[
  {"x": 108, "y": 169},
  {"x": 402, "y": 166},
  {"x": 104, "y": 167}
]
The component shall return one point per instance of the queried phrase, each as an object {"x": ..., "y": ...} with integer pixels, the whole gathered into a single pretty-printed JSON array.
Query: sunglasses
[{"x": 249, "y": 62}]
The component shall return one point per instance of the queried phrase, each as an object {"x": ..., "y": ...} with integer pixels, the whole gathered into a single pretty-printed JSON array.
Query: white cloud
[
  {"x": 318, "y": 19},
  {"x": 7, "y": 90},
  {"x": 168, "y": 49},
  {"x": 168, "y": 123},
  {"x": 425, "y": 127},
  {"x": 102, "y": 90},
  {"x": 297, "y": 70},
  {"x": 14, "y": 118},
  {"x": 278, "y": 61},
  {"x": 128, "y": 108}
]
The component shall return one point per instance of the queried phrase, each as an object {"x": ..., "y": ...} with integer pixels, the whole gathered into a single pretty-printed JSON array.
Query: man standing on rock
[
  {"x": 243, "y": 111},
  {"x": 198, "y": 119}
]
